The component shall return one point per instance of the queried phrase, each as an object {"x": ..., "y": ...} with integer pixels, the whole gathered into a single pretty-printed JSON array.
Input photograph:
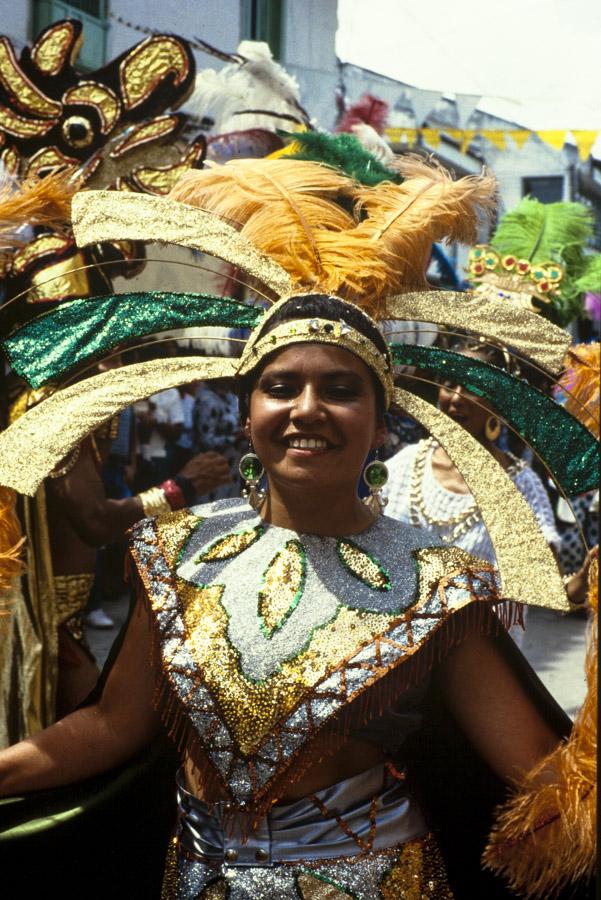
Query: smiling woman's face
[{"x": 312, "y": 417}]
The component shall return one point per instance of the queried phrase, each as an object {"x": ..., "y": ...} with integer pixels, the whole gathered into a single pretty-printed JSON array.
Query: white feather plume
[
  {"x": 257, "y": 83},
  {"x": 374, "y": 143}
]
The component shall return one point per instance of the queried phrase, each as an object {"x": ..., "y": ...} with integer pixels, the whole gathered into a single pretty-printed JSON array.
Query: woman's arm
[
  {"x": 96, "y": 738},
  {"x": 490, "y": 704},
  {"x": 81, "y": 498}
]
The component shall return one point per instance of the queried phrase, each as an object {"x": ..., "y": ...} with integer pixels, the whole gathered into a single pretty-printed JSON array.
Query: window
[
  {"x": 546, "y": 189},
  {"x": 93, "y": 14},
  {"x": 262, "y": 21}
]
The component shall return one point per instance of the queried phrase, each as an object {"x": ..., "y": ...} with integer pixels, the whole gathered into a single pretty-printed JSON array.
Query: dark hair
[
  {"x": 489, "y": 352},
  {"x": 321, "y": 306}
]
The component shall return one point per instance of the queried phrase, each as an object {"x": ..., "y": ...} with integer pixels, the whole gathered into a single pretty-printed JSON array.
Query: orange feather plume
[
  {"x": 11, "y": 541},
  {"x": 36, "y": 201},
  {"x": 406, "y": 219},
  {"x": 334, "y": 235},
  {"x": 581, "y": 381}
]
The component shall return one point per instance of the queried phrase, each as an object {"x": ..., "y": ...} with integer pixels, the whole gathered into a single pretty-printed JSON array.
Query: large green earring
[
  {"x": 375, "y": 476},
  {"x": 252, "y": 471}
]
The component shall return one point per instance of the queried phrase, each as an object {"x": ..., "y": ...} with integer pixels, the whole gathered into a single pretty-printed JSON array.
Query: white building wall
[
  {"x": 309, "y": 54},
  {"x": 216, "y": 21},
  {"x": 510, "y": 166},
  {"x": 15, "y": 21}
]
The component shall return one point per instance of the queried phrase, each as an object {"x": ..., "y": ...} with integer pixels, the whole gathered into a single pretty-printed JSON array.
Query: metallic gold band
[
  {"x": 321, "y": 331},
  {"x": 71, "y": 593},
  {"x": 154, "y": 502}
]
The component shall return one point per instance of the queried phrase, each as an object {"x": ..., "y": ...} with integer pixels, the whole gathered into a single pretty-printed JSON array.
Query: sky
[{"x": 534, "y": 62}]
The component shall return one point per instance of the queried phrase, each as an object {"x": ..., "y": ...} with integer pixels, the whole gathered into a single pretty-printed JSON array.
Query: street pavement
[{"x": 554, "y": 645}]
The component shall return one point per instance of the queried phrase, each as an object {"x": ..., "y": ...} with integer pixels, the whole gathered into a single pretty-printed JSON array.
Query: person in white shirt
[
  {"x": 426, "y": 490},
  {"x": 161, "y": 422}
]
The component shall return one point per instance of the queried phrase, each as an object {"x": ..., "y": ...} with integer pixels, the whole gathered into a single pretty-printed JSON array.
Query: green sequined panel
[
  {"x": 564, "y": 444},
  {"x": 48, "y": 347}
]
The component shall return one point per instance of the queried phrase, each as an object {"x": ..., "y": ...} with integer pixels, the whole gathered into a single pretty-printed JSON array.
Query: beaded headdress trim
[{"x": 320, "y": 331}]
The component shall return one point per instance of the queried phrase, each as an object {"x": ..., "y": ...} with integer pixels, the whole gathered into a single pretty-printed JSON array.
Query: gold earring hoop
[{"x": 492, "y": 429}]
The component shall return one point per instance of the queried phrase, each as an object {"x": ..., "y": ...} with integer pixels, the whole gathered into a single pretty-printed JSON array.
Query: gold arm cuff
[{"x": 154, "y": 502}]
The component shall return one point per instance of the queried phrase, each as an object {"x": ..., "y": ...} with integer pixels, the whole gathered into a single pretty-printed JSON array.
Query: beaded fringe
[{"x": 375, "y": 697}]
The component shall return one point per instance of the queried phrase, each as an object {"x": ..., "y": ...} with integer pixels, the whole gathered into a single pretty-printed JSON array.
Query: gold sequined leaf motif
[
  {"x": 316, "y": 887},
  {"x": 283, "y": 585},
  {"x": 230, "y": 545},
  {"x": 363, "y": 566}
]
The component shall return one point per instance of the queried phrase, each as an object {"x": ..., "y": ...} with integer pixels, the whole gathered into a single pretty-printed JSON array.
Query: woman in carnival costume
[{"x": 298, "y": 644}]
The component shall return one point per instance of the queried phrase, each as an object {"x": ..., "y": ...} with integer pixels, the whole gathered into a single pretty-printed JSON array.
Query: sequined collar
[{"x": 268, "y": 636}]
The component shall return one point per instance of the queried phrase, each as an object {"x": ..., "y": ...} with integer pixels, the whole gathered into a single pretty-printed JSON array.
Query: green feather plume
[
  {"x": 550, "y": 231},
  {"x": 344, "y": 152},
  {"x": 541, "y": 231},
  {"x": 590, "y": 280}
]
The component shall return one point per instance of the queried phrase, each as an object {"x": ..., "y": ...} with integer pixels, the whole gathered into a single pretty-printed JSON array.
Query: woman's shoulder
[{"x": 403, "y": 457}]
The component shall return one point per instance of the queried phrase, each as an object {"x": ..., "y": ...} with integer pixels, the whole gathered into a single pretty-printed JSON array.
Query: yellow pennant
[
  {"x": 393, "y": 135},
  {"x": 431, "y": 136},
  {"x": 555, "y": 139},
  {"x": 519, "y": 137},
  {"x": 584, "y": 142},
  {"x": 497, "y": 137}
]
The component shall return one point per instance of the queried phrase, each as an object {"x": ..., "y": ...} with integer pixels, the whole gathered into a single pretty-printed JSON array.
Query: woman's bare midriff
[{"x": 351, "y": 759}]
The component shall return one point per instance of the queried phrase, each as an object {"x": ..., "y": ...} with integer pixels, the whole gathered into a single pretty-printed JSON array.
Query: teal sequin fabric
[
  {"x": 55, "y": 343},
  {"x": 566, "y": 447}
]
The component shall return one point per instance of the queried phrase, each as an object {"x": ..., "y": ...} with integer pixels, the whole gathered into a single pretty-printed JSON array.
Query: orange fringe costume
[
  {"x": 11, "y": 542},
  {"x": 35, "y": 201},
  {"x": 545, "y": 837}
]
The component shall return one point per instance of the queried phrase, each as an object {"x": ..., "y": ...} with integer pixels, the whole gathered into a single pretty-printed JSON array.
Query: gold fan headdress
[{"x": 296, "y": 228}]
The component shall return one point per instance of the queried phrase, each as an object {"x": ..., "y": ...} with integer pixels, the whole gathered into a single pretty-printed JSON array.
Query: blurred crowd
[{"x": 194, "y": 430}]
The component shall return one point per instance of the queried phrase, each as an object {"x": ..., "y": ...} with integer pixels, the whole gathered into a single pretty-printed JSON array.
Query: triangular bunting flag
[
  {"x": 431, "y": 136},
  {"x": 455, "y": 134},
  {"x": 393, "y": 135},
  {"x": 423, "y": 102},
  {"x": 584, "y": 142},
  {"x": 466, "y": 104},
  {"x": 519, "y": 137},
  {"x": 496, "y": 136},
  {"x": 555, "y": 139},
  {"x": 467, "y": 138},
  {"x": 409, "y": 135}
]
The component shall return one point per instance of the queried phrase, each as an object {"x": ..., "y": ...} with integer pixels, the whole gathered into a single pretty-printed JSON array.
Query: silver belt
[{"x": 371, "y": 810}]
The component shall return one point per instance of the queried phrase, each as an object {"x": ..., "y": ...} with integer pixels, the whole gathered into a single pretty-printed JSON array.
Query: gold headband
[{"x": 320, "y": 331}]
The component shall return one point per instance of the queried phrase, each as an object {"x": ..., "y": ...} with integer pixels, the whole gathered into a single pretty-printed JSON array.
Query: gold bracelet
[
  {"x": 154, "y": 502},
  {"x": 71, "y": 459}
]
